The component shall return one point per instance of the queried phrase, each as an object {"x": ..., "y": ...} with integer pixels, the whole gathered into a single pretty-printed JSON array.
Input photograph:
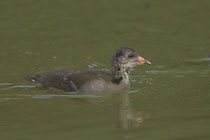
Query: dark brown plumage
[{"x": 123, "y": 60}]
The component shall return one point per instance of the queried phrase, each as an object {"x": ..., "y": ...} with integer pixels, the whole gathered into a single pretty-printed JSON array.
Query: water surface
[{"x": 167, "y": 100}]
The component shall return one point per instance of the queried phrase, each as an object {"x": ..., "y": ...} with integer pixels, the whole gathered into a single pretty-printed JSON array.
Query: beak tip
[{"x": 147, "y": 62}]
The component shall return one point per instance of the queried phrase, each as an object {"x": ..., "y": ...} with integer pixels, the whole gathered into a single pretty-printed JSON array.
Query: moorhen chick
[{"x": 122, "y": 62}]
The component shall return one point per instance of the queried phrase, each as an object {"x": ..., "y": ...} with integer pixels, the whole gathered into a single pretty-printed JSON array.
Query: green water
[{"x": 169, "y": 100}]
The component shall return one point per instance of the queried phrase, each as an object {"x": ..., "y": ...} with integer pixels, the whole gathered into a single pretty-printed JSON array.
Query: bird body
[{"x": 123, "y": 60}]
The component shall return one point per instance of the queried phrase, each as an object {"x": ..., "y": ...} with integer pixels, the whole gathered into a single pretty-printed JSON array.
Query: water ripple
[
  {"x": 156, "y": 72},
  {"x": 54, "y": 95}
]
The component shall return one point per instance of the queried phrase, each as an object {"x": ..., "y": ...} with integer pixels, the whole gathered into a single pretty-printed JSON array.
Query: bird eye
[{"x": 130, "y": 55}]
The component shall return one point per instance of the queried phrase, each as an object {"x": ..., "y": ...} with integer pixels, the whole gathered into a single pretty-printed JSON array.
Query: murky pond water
[{"x": 167, "y": 100}]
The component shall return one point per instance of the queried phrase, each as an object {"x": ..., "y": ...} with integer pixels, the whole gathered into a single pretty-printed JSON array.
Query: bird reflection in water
[{"x": 124, "y": 116}]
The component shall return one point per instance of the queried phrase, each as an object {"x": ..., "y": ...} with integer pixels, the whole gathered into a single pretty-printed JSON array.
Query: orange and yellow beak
[{"x": 141, "y": 60}]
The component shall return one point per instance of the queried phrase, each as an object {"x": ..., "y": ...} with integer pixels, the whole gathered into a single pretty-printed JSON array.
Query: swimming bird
[{"x": 72, "y": 80}]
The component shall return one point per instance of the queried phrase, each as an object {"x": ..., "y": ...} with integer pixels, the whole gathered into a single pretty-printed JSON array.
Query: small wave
[{"x": 54, "y": 95}]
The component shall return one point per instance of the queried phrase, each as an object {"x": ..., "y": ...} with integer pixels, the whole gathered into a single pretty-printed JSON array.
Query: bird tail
[{"x": 30, "y": 78}]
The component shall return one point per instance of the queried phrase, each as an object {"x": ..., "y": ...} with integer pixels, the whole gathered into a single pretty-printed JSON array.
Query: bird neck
[{"x": 120, "y": 73}]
